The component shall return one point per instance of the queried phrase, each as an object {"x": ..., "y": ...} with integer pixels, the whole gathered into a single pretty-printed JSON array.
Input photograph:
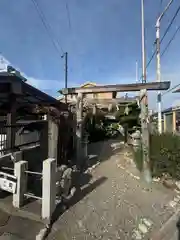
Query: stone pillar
[
  {"x": 21, "y": 188},
  {"x": 79, "y": 116},
  {"x": 52, "y": 139},
  {"x": 48, "y": 189}
]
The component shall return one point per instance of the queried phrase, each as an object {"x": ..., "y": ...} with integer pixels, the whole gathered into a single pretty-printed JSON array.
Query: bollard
[
  {"x": 48, "y": 189},
  {"x": 19, "y": 171}
]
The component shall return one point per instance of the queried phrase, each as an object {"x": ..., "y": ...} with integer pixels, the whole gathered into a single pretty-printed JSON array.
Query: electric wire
[
  {"x": 68, "y": 15},
  {"x": 164, "y": 35},
  {"x": 48, "y": 28}
]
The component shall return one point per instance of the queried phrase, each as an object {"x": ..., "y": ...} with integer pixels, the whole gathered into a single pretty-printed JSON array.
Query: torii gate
[{"x": 142, "y": 87}]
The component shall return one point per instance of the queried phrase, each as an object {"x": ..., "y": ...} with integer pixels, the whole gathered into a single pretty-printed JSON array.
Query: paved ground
[
  {"x": 116, "y": 204},
  {"x": 18, "y": 228},
  {"x": 112, "y": 203},
  {"x": 18, "y": 224}
]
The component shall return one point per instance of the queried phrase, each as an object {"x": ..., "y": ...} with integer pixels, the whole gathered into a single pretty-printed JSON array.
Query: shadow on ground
[
  {"x": 83, "y": 189},
  {"x": 103, "y": 150}
]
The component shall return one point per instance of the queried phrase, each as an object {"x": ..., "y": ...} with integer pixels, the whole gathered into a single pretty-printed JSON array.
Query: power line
[
  {"x": 167, "y": 46},
  {"x": 150, "y": 60},
  {"x": 170, "y": 24},
  {"x": 68, "y": 14},
  {"x": 47, "y": 27},
  {"x": 164, "y": 35},
  {"x": 169, "y": 43},
  {"x": 171, "y": 89}
]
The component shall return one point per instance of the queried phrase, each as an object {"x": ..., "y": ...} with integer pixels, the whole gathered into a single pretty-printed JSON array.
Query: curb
[
  {"x": 43, "y": 233},
  {"x": 20, "y": 213}
]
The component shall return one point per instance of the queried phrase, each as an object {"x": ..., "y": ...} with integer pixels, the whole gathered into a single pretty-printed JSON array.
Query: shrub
[{"x": 165, "y": 154}]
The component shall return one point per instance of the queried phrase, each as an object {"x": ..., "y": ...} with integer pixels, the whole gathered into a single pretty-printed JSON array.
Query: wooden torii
[{"x": 134, "y": 87}]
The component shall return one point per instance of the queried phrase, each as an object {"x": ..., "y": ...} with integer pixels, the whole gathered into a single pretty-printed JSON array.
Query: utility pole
[
  {"x": 158, "y": 65},
  {"x": 65, "y": 71},
  {"x": 144, "y": 109},
  {"x": 143, "y": 44}
]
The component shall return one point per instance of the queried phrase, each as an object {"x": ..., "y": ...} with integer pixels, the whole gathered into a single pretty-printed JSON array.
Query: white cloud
[
  {"x": 46, "y": 85},
  {"x": 42, "y": 83},
  {"x": 3, "y": 63}
]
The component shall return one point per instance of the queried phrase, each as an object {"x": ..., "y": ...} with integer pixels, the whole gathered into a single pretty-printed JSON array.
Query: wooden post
[
  {"x": 145, "y": 135},
  {"x": 79, "y": 116},
  {"x": 174, "y": 120},
  {"x": 74, "y": 131},
  {"x": 52, "y": 139},
  {"x": 94, "y": 115},
  {"x": 164, "y": 116},
  {"x": 44, "y": 140},
  {"x": 11, "y": 121}
]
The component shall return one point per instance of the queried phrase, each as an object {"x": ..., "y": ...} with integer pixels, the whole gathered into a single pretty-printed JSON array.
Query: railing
[
  {"x": 34, "y": 182},
  {"x": 24, "y": 135}
]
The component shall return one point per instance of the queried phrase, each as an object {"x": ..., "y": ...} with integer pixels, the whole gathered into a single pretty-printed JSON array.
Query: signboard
[{"x": 8, "y": 182}]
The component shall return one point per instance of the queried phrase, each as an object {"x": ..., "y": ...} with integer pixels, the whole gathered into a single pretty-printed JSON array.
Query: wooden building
[
  {"x": 170, "y": 119},
  {"x": 23, "y": 104}
]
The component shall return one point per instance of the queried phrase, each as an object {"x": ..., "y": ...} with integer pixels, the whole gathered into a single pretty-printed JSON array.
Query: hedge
[{"x": 164, "y": 155}]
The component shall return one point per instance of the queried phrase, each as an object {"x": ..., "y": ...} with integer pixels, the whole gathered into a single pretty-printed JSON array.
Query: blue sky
[{"x": 103, "y": 41}]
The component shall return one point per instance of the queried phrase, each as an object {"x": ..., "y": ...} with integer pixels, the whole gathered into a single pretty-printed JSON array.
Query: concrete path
[
  {"x": 116, "y": 204},
  {"x": 18, "y": 224},
  {"x": 111, "y": 203},
  {"x": 18, "y": 228}
]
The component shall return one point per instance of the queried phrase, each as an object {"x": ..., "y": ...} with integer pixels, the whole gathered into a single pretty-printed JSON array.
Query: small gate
[
  {"x": 28, "y": 144},
  {"x": 17, "y": 184}
]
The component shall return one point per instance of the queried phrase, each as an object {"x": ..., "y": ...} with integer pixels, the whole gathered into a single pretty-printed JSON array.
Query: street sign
[{"x": 8, "y": 182}]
